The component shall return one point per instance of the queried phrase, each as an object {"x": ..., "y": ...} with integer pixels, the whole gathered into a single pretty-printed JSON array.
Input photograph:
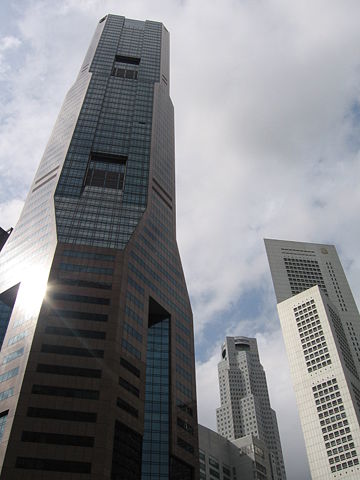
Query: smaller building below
[{"x": 246, "y": 458}]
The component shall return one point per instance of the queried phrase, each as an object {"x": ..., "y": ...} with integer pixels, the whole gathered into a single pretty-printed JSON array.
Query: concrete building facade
[
  {"x": 245, "y": 406},
  {"x": 320, "y": 324},
  {"x": 220, "y": 459}
]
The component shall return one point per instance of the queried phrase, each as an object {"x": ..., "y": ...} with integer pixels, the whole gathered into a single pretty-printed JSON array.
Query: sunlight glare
[{"x": 32, "y": 289}]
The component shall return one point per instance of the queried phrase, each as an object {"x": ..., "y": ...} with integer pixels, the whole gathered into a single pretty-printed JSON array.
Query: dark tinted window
[
  {"x": 71, "y": 415},
  {"x": 96, "y": 317},
  {"x": 53, "y": 465},
  {"x": 127, "y": 59},
  {"x": 185, "y": 445},
  {"x": 84, "y": 283},
  {"x": 72, "y": 371},
  {"x": 129, "y": 387},
  {"x": 79, "y": 352},
  {"x": 57, "y": 439},
  {"x": 130, "y": 367},
  {"x": 79, "y": 298},
  {"x": 65, "y": 392},
  {"x": 127, "y": 407},
  {"x": 74, "y": 332},
  {"x": 126, "y": 460}
]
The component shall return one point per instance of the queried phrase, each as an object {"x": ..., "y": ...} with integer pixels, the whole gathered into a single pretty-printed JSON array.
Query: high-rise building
[
  {"x": 97, "y": 378},
  {"x": 245, "y": 409},
  {"x": 321, "y": 325}
]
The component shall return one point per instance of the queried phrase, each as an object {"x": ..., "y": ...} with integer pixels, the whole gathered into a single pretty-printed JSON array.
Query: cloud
[
  {"x": 9, "y": 42},
  {"x": 6, "y": 43},
  {"x": 9, "y": 211},
  {"x": 268, "y": 96}
]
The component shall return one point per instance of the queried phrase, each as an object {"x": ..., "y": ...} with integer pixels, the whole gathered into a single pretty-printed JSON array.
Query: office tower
[
  {"x": 222, "y": 459},
  {"x": 320, "y": 324},
  {"x": 97, "y": 379},
  {"x": 245, "y": 409}
]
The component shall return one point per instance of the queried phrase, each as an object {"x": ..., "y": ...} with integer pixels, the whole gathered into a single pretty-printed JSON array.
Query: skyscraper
[
  {"x": 245, "y": 407},
  {"x": 321, "y": 326},
  {"x": 97, "y": 377}
]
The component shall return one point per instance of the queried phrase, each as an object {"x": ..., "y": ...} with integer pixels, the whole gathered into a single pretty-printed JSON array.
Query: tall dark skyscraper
[{"x": 97, "y": 377}]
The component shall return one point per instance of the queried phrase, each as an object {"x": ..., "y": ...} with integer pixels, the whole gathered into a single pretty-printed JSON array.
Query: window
[
  {"x": 57, "y": 439},
  {"x": 69, "y": 371},
  {"x": 6, "y": 394},
  {"x": 127, "y": 407},
  {"x": 94, "y": 317},
  {"x": 11, "y": 356},
  {"x": 123, "y": 73},
  {"x": 53, "y": 465},
  {"x": 65, "y": 392},
  {"x": 105, "y": 170},
  {"x": 9, "y": 374},
  {"x": 185, "y": 425},
  {"x": 74, "y": 332},
  {"x": 130, "y": 367},
  {"x": 126, "y": 459},
  {"x": 84, "y": 283},
  {"x": 131, "y": 349},
  {"x": 129, "y": 387},
  {"x": 69, "y": 415},
  {"x": 185, "y": 445},
  {"x": 184, "y": 407},
  {"x": 127, "y": 59},
  {"x": 67, "y": 297},
  {"x": 79, "y": 352},
  {"x": 89, "y": 255},
  {"x": 3, "y": 418}
]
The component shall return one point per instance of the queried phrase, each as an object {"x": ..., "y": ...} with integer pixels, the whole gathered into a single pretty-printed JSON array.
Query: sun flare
[{"x": 32, "y": 289}]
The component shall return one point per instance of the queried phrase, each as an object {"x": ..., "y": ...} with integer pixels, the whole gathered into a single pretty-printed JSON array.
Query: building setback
[
  {"x": 321, "y": 325},
  {"x": 245, "y": 409},
  {"x": 97, "y": 378}
]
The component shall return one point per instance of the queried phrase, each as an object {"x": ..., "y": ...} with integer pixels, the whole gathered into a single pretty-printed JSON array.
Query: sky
[{"x": 267, "y": 116}]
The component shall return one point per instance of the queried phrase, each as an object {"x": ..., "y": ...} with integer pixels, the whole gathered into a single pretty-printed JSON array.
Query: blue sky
[{"x": 266, "y": 97}]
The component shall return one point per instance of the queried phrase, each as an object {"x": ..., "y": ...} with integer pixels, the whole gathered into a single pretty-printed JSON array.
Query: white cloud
[
  {"x": 9, "y": 42},
  {"x": 9, "y": 211},
  {"x": 6, "y": 43}
]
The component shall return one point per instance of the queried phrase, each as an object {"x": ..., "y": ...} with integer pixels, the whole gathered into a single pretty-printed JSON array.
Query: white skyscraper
[
  {"x": 245, "y": 409},
  {"x": 321, "y": 326}
]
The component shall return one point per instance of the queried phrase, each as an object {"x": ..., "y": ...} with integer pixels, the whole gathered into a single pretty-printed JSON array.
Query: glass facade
[
  {"x": 7, "y": 300},
  {"x": 95, "y": 260},
  {"x": 116, "y": 119},
  {"x": 155, "y": 459}
]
